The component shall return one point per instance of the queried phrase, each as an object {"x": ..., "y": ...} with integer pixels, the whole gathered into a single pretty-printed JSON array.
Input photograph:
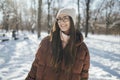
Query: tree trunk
[
  {"x": 78, "y": 23},
  {"x": 48, "y": 16},
  {"x": 39, "y": 17},
  {"x": 87, "y": 17}
]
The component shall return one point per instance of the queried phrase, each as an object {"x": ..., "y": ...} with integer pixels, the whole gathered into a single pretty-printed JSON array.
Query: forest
[{"x": 94, "y": 16}]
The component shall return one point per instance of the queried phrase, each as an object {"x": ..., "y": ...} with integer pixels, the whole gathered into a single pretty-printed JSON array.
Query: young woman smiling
[{"x": 62, "y": 55}]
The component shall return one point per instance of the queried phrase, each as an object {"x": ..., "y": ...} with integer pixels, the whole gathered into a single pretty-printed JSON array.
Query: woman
[{"x": 63, "y": 55}]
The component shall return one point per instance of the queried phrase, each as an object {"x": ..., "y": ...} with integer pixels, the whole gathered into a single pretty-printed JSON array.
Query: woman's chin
[{"x": 64, "y": 30}]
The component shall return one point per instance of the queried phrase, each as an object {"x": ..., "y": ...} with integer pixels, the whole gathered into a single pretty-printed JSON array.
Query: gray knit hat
[{"x": 68, "y": 11}]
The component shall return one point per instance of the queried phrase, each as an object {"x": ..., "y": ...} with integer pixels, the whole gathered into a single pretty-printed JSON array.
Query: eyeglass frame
[{"x": 64, "y": 19}]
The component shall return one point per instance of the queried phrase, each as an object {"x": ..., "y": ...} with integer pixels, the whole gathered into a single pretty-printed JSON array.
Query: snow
[
  {"x": 105, "y": 57},
  {"x": 16, "y": 56}
]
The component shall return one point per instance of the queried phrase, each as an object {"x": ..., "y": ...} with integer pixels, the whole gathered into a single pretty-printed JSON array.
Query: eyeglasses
[{"x": 64, "y": 19}]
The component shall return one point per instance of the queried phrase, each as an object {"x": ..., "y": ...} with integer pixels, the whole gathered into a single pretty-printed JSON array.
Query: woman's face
[{"x": 63, "y": 22}]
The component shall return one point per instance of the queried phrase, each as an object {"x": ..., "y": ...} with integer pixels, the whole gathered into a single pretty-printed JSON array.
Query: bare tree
[
  {"x": 3, "y": 8},
  {"x": 48, "y": 17},
  {"x": 87, "y": 16},
  {"x": 11, "y": 17},
  {"x": 39, "y": 17},
  {"x": 78, "y": 24},
  {"x": 109, "y": 10},
  {"x": 33, "y": 15}
]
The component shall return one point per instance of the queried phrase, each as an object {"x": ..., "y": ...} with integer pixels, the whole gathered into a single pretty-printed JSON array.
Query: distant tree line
[{"x": 39, "y": 15}]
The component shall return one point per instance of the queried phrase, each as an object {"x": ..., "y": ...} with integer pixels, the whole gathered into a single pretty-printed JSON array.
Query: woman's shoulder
[
  {"x": 83, "y": 45},
  {"x": 45, "y": 40},
  {"x": 82, "y": 51}
]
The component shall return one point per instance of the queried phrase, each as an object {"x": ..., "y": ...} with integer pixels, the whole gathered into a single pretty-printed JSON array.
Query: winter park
[{"x": 24, "y": 25}]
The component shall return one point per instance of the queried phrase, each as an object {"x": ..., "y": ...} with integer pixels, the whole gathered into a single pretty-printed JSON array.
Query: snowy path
[
  {"x": 105, "y": 57},
  {"x": 16, "y": 57}
]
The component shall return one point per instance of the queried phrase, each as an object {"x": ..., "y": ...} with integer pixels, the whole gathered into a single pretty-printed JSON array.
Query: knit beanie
[{"x": 68, "y": 11}]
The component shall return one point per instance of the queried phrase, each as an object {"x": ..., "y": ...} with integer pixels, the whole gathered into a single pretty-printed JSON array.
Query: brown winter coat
[{"x": 42, "y": 69}]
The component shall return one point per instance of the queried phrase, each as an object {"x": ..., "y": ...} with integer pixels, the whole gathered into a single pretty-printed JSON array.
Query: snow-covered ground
[
  {"x": 105, "y": 57},
  {"x": 16, "y": 57}
]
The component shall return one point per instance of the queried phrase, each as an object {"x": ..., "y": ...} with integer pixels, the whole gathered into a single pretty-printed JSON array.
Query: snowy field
[{"x": 16, "y": 57}]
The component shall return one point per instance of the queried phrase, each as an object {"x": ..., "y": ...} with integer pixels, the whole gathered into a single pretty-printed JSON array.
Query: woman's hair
[{"x": 67, "y": 55}]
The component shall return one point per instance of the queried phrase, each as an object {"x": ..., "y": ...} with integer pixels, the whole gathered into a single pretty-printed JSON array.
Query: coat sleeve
[
  {"x": 86, "y": 65},
  {"x": 32, "y": 74}
]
